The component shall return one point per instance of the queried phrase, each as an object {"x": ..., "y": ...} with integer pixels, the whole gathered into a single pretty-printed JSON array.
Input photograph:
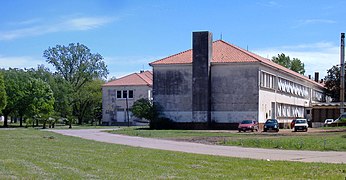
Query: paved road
[{"x": 231, "y": 151}]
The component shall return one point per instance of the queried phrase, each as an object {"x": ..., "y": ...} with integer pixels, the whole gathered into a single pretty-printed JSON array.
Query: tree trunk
[
  {"x": 21, "y": 121},
  {"x": 70, "y": 125},
  {"x": 5, "y": 120},
  {"x": 44, "y": 125},
  {"x": 36, "y": 122}
]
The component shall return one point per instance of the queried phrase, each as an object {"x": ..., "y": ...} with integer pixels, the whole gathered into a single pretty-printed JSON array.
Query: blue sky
[{"x": 130, "y": 34}]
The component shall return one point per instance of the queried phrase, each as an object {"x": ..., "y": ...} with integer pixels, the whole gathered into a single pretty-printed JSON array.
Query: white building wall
[
  {"x": 114, "y": 109},
  {"x": 298, "y": 95}
]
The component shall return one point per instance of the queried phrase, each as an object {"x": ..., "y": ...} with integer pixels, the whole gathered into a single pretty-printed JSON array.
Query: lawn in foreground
[
  {"x": 324, "y": 141},
  {"x": 35, "y": 154}
]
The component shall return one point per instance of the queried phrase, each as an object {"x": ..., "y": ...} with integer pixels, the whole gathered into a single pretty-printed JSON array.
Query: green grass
[
  {"x": 35, "y": 154},
  {"x": 325, "y": 141}
]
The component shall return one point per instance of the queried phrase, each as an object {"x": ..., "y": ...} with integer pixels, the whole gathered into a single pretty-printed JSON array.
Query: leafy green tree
[
  {"x": 332, "y": 83},
  {"x": 3, "y": 96},
  {"x": 87, "y": 100},
  {"x": 15, "y": 90},
  {"x": 77, "y": 66},
  {"x": 144, "y": 108},
  {"x": 41, "y": 100},
  {"x": 295, "y": 64}
]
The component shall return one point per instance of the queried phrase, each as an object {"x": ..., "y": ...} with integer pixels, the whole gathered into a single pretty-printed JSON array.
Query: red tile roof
[
  {"x": 135, "y": 79},
  {"x": 224, "y": 52}
]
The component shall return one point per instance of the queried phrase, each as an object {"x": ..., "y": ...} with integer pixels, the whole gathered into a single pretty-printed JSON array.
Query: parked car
[
  {"x": 248, "y": 125},
  {"x": 292, "y": 123},
  {"x": 341, "y": 118},
  {"x": 271, "y": 124},
  {"x": 328, "y": 122},
  {"x": 301, "y": 124}
]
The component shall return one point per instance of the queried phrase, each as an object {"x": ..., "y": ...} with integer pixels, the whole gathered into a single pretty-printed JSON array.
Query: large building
[
  {"x": 119, "y": 95},
  {"x": 217, "y": 83}
]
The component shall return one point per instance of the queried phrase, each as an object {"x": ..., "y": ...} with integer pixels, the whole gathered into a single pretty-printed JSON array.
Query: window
[
  {"x": 118, "y": 94},
  {"x": 130, "y": 93},
  {"x": 267, "y": 80},
  {"x": 125, "y": 94}
]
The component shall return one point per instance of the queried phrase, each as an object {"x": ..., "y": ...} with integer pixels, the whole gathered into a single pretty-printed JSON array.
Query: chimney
[
  {"x": 201, "y": 86},
  {"x": 309, "y": 76},
  {"x": 317, "y": 76}
]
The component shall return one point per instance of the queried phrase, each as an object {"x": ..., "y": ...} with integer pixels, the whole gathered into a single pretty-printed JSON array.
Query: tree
[
  {"x": 3, "y": 96},
  {"x": 144, "y": 108},
  {"x": 41, "y": 100},
  {"x": 15, "y": 91},
  {"x": 295, "y": 64},
  {"x": 332, "y": 83},
  {"x": 77, "y": 66},
  {"x": 87, "y": 100}
]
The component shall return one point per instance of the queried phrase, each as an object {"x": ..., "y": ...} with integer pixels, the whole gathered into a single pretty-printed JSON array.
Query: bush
[{"x": 161, "y": 123}]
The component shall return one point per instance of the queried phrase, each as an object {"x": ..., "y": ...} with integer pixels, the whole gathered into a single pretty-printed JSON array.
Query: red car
[{"x": 248, "y": 125}]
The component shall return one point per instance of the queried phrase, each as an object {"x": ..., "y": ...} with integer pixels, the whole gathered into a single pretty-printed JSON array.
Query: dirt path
[{"x": 189, "y": 147}]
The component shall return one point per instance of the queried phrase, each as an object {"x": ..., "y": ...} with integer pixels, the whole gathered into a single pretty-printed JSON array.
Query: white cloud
[
  {"x": 19, "y": 62},
  {"x": 317, "y": 57},
  {"x": 38, "y": 27},
  {"x": 306, "y": 22}
]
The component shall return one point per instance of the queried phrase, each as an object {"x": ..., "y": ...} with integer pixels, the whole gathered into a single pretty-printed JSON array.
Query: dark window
[
  {"x": 130, "y": 93},
  {"x": 124, "y": 94},
  {"x": 118, "y": 94}
]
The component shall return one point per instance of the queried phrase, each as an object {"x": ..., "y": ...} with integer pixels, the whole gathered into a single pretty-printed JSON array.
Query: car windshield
[
  {"x": 300, "y": 121},
  {"x": 246, "y": 122},
  {"x": 271, "y": 121}
]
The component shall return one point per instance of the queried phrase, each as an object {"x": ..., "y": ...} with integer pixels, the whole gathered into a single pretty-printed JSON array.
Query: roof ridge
[{"x": 140, "y": 76}]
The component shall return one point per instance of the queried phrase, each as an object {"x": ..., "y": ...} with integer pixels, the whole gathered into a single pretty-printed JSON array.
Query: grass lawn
[
  {"x": 35, "y": 154},
  {"x": 320, "y": 141}
]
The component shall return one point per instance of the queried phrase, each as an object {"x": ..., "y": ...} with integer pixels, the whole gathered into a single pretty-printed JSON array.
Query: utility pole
[{"x": 342, "y": 73}]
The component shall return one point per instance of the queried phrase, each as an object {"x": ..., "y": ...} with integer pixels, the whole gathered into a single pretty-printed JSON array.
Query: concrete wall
[
  {"x": 173, "y": 91},
  {"x": 234, "y": 92},
  {"x": 111, "y": 106}
]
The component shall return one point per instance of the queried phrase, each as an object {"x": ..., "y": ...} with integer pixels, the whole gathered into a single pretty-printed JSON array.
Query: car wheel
[
  {"x": 295, "y": 130},
  {"x": 277, "y": 130},
  {"x": 239, "y": 130},
  {"x": 306, "y": 130},
  {"x": 265, "y": 130},
  {"x": 251, "y": 130}
]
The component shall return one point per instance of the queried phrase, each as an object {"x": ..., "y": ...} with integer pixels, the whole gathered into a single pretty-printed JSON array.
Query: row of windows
[
  {"x": 293, "y": 88},
  {"x": 286, "y": 110},
  {"x": 125, "y": 94},
  {"x": 267, "y": 80},
  {"x": 272, "y": 82}
]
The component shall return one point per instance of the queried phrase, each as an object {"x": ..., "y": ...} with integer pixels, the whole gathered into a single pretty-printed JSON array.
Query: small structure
[
  {"x": 119, "y": 95},
  {"x": 217, "y": 85}
]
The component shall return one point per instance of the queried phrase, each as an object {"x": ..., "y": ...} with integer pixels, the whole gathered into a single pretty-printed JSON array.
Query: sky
[{"x": 131, "y": 34}]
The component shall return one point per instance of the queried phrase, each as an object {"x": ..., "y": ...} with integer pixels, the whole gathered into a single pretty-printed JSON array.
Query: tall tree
[
  {"x": 77, "y": 66},
  {"x": 295, "y": 64},
  {"x": 3, "y": 96},
  {"x": 41, "y": 100},
  {"x": 15, "y": 90},
  {"x": 88, "y": 99},
  {"x": 332, "y": 83}
]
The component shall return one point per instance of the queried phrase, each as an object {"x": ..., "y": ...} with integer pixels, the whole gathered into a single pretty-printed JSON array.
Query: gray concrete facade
[{"x": 172, "y": 90}]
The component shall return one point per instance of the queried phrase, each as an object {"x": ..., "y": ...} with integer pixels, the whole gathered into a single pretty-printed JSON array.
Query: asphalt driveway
[{"x": 189, "y": 147}]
